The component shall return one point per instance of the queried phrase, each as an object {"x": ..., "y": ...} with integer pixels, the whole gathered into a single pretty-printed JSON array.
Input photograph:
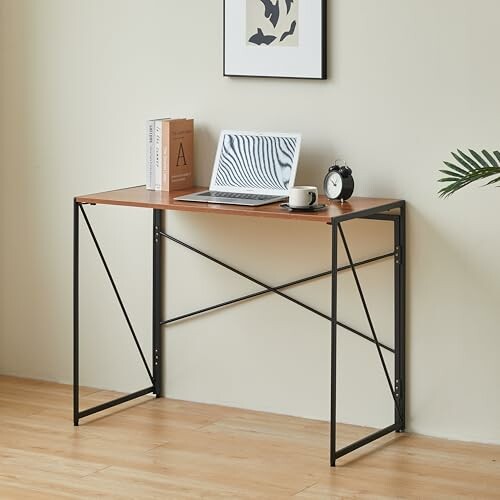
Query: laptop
[{"x": 251, "y": 168}]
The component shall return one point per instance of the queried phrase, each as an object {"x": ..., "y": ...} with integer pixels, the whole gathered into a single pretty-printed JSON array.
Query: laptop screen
[{"x": 256, "y": 162}]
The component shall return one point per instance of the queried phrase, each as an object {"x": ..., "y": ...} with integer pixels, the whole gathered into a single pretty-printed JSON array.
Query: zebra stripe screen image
[{"x": 256, "y": 161}]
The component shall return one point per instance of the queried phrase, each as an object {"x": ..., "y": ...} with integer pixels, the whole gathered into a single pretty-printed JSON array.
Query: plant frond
[
  {"x": 448, "y": 179},
  {"x": 461, "y": 161},
  {"x": 490, "y": 158},
  {"x": 456, "y": 168},
  {"x": 477, "y": 168},
  {"x": 468, "y": 159},
  {"x": 479, "y": 158},
  {"x": 453, "y": 173}
]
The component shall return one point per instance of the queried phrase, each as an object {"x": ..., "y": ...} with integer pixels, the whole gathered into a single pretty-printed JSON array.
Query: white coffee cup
[{"x": 303, "y": 197}]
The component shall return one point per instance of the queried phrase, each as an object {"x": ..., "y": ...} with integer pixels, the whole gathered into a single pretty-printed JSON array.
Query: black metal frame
[
  {"x": 324, "y": 50},
  {"x": 397, "y": 388}
]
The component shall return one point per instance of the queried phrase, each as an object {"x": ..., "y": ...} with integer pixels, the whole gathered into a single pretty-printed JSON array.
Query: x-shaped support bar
[{"x": 273, "y": 289}]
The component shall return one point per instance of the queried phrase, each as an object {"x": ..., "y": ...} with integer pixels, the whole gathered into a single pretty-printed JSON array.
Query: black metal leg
[
  {"x": 398, "y": 391},
  {"x": 76, "y": 313},
  {"x": 399, "y": 319},
  {"x": 157, "y": 301},
  {"x": 77, "y": 414},
  {"x": 333, "y": 359}
]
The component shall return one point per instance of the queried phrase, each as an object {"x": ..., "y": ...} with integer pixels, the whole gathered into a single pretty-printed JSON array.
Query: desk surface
[{"x": 139, "y": 196}]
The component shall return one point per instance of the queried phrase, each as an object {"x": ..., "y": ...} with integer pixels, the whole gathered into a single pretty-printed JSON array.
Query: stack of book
[{"x": 169, "y": 163}]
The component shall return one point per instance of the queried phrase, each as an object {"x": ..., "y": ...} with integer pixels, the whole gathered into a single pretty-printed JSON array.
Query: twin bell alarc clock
[{"x": 338, "y": 183}]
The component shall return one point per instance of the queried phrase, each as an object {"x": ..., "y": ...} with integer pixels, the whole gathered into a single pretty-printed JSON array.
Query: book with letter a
[{"x": 177, "y": 154}]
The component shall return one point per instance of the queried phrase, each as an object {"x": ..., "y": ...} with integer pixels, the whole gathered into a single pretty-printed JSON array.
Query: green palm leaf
[
  {"x": 479, "y": 158},
  {"x": 490, "y": 158},
  {"x": 462, "y": 161},
  {"x": 457, "y": 169},
  {"x": 473, "y": 167},
  {"x": 468, "y": 159}
]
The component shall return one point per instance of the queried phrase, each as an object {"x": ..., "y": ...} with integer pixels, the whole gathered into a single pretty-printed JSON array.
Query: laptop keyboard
[{"x": 240, "y": 196}]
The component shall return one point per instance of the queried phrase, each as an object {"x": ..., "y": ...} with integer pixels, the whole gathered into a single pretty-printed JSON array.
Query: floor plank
[{"x": 159, "y": 448}]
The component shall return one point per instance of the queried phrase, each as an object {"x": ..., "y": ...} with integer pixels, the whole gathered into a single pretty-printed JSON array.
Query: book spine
[
  {"x": 158, "y": 146},
  {"x": 150, "y": 182},
  {"x": 165, "y": 170},
  {"x": 181, "y": 149}
]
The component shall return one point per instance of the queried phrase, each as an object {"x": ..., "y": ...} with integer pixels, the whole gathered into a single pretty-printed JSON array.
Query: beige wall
[{"x": 409, "y": 82}]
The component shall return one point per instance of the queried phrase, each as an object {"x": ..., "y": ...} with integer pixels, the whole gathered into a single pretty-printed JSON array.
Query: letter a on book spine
[{"x": 177, "y": 164}]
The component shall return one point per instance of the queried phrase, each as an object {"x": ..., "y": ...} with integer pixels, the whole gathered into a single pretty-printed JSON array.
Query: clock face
[{"x": 333, "y": 186}]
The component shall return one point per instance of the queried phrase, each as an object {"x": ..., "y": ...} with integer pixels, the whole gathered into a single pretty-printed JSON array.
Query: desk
[{"x": 336, "y": 214}]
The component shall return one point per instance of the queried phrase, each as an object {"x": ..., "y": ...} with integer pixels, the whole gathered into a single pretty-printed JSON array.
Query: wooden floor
[{"x": 160, "y": 448}]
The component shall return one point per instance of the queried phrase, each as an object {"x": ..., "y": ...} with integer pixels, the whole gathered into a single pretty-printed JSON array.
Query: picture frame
[{"x": 275, "y": 39}]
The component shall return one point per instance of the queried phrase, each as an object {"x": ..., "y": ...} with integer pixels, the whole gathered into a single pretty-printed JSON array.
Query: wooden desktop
[{"x": 163, "y": 200}]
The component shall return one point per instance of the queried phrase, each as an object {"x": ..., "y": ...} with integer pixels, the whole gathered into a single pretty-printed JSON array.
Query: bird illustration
[
  {"x": 259, "y": 38},
  {"x": 290, "y": 32},
  {"x": 272, "y": 11},
  {"x": 288, "y": 5}
]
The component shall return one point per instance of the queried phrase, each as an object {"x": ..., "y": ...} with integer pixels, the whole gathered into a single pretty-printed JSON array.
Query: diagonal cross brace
[
  {"x": 281, "y": 287},
  {"x": 368, "y": 317},
  {"x": 269, "y": 289},
  {"x": 115, "y": 289}
]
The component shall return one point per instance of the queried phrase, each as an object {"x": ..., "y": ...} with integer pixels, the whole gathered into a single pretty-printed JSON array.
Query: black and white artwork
[
  {"x": 275, "y": 38},
  {"x": 273, "y": 22},
  {"x": 256, "y": 161}
]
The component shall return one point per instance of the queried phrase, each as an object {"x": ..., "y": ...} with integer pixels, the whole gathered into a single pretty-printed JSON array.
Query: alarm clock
[{"x": 338, "y": 183}]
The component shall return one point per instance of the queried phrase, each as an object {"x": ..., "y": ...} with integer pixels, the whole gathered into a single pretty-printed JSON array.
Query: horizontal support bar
[
  {"x": 279, "y": 287},
  {"x": 115, "y": 402},
  {"x": 369, "y": 211},
  {"x": 383, "y": 217},
  {"x": 365, "y": 440}
]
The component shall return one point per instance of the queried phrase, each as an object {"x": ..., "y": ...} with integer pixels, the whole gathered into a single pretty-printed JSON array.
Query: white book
[
  {"x": 158, "y": 147},
  {"x": 150, "y": 180}
]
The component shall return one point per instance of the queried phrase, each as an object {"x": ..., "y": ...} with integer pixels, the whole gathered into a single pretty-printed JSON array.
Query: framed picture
[{"x": 275, "y": 38}]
